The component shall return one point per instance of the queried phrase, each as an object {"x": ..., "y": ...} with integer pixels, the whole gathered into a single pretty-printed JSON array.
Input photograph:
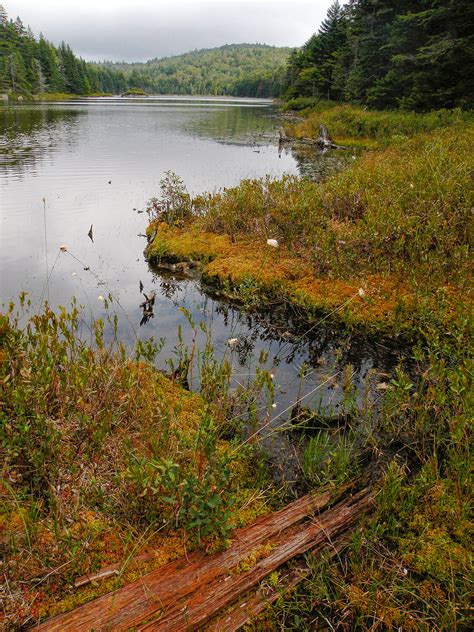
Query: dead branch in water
[{"x": 323, "y": 141}]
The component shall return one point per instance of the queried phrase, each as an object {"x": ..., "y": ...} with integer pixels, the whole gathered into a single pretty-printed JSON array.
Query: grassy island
[
  {"x": 135, "y": 92},
  {"x": 394, "y": 224}
]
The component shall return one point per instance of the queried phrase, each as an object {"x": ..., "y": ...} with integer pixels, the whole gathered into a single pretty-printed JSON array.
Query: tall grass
[{"x": 357, "y": 123}]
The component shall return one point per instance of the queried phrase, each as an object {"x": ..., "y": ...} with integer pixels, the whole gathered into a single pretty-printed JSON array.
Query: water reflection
[
  {"x": 96, "y": 164},
  {"x": 237, "y": 126},
  {"x": 281, "y": 337},
  {"x": 28, "y": 134}
]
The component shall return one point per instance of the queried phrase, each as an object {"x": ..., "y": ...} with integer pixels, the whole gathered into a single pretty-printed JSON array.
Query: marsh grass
[
  {"x": 396, "y": 221},
  {"x": 377, "y": 128}
]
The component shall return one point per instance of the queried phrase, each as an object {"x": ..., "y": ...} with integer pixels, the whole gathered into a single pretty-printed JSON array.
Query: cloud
[{"x": 144, "y": 29}]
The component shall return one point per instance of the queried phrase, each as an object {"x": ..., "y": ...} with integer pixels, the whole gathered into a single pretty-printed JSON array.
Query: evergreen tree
[
  {"x": 388, "y": 53},
  {"x": 313, "y": 70},
  {"x": 28, "y": 65}
]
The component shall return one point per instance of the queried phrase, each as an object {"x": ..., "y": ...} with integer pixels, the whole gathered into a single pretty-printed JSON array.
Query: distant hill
[
  {"x": 30, "y": 65},
  {"x": 253, "y": 70}
]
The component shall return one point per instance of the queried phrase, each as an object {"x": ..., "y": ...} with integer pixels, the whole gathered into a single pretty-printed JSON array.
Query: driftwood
[
  {"x": 190, "y": 592},
  {"x": 196, "y": 611},
  {"x": 323, "y": 141},
  {"x": 253, "y": 604}
]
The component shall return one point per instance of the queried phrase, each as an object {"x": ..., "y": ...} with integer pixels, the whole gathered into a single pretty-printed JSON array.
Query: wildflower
[
  {"x": 74, "y": 274},
  {"x": 274, "y": 405},
  {"x": 272, "y": 242},
  {"x": 232, "y": 342},
  {"x": 63, "y": 248},
  {"x": 272, "y": 376},
  {"x": 412, "y": 186},
  {"x": 341, "y": 241},
  {"x": 361, "y": 292},
  {"x": 353, "y": 157},
  {"x": 100, "y": 298}
]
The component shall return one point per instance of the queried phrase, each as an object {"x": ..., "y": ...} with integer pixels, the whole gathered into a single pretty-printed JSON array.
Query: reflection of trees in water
[
  {"x": 236, "y": 125},
  {"x": 169, "y": 287},
  {"x": 28, "y": 133}
]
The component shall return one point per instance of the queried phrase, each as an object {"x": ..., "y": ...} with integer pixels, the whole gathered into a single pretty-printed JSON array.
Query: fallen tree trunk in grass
[
  {"x": 252, "y": 604},
  {"x": 196, "y": 611},
  {"x": 189, "y": 592}
]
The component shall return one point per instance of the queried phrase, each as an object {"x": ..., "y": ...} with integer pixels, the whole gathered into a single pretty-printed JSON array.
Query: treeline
[
  {"x": 415, "y": 54},
  {"x": 32, "y": 66},
  {"x": 250, "y": 70}
]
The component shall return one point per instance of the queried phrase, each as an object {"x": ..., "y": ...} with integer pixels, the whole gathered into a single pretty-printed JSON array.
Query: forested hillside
[
  {"x": 251, "y": 70},
  {"x": 30, "y": 65},
  {"x": 417, "y": 54}
]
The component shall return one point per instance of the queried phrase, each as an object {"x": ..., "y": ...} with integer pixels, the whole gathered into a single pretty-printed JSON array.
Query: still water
[{"x": 68, "y": 165}]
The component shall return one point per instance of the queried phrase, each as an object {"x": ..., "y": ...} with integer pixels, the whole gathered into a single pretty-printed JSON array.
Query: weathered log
[
  {"x": 203, "y": 604},
  {"x": 323, "y": 141},
  {"x": 252, "y": 604},
  {"x": 134, "y": 603}
]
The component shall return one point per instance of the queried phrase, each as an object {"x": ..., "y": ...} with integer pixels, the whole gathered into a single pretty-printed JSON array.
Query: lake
[{"x": 67, "y": 166}]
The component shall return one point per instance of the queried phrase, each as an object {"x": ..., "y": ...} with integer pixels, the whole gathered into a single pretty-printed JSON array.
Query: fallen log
[
  {"x": 134, "y": 603},
  {"x": 252, "y": 604},
  {"x": 202, "y": 605}
]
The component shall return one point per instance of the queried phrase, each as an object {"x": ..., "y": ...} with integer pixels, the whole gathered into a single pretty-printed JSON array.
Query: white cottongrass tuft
[
  {"x": 74, "y": 274},
  {"x": 100, "y": 298},
  {"x": 272, "y": 242},
  {"x": 361, "y": 292},
  {"x": 232, "y": 342},
  {"x": 274, "y": 405}
]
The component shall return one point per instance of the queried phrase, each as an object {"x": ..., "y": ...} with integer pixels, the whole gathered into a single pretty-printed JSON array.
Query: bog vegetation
[
  {"x": 384, "y": 247},
  {"x": 105, "y": 458}
]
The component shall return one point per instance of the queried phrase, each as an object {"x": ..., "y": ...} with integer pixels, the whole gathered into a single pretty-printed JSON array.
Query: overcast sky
[{"x": 137, "y": 30}]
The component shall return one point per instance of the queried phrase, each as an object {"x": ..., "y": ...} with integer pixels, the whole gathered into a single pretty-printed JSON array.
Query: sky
[{"x": 137, "y": 30}]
